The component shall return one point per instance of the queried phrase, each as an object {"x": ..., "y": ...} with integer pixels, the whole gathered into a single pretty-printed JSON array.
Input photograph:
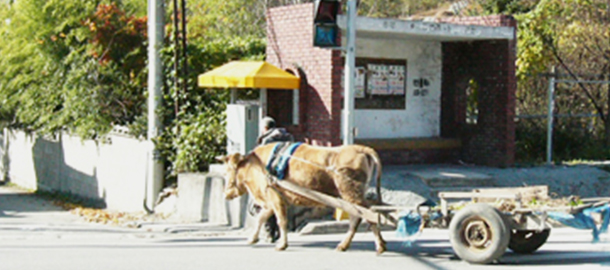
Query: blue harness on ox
[{"x": 277, "y": 165}]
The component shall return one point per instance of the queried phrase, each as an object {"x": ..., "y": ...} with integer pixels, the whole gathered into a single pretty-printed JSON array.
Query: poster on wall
[
  {"x": 378, "y": 80},
  {"x": 358, "y": 83},
  {"x": 396, "y": 80}
]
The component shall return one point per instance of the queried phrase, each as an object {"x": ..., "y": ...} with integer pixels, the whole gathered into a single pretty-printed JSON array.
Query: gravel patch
[{"x": 401, "y": 186}]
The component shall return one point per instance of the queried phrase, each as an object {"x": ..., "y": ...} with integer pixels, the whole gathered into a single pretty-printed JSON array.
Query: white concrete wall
[
  {"x": 113, "y": 172},
  {"x": 3, "y": 156},
  {"x": 421, "y": 118}
]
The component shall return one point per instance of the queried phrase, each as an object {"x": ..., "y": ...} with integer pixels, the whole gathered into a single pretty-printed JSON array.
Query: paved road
[
  {"x": 35, "y": 234},
  {"x": 136, "y": 249}
]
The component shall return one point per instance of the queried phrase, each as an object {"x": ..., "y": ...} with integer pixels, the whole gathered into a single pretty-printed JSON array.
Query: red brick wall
[
  {"x": 290, "y": 46},
  {"x": 491, "y": 141}
]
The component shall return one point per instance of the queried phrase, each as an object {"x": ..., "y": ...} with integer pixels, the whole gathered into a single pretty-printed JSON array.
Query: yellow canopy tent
[{"x": 248, "y": 74}]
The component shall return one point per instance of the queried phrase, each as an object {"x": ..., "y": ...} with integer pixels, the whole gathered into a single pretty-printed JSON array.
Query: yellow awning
[{"x": 248, "y": 74}]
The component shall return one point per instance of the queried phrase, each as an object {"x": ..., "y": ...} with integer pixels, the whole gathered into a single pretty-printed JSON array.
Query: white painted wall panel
[{"x": 421, "y": 118}]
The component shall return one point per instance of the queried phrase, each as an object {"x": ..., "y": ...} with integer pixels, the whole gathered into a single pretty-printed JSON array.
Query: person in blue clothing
[{"x": 272, "y": 133}]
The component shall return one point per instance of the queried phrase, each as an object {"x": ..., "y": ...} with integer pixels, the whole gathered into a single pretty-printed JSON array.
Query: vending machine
[{"x": 242, "y": 127}]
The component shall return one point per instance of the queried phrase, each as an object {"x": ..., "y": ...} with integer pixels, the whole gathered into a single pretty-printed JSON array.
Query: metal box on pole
[{"x": 242, "y": 127}]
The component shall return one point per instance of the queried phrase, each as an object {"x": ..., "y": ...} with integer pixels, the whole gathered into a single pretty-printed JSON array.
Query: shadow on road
[
  {"x": 207, "y": 240},
  {"x": 441, "y": 249},
  {"x": 556, "y": 258},
  {"x": 425, "y": 251},
  {"x": 12, "y": 204}
]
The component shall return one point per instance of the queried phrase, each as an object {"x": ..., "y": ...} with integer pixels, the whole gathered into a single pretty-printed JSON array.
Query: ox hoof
[
  {"x": 252, "y": 241},
  {"x": 341, "y": 248},
  {"x": 381, "y": 248},
  {"x": 281, "y": 247}
]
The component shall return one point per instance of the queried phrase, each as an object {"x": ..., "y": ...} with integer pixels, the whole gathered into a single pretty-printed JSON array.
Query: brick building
[{"x": 426, "y": 92}]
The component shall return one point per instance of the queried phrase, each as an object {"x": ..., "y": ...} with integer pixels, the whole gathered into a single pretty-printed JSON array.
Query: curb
[{"x": 63, "y": 228}]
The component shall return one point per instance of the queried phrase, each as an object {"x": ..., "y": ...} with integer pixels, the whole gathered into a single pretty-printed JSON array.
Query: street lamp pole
[
  {"x": 350, "y": 68},
  {"x": 154, "y": 170}
]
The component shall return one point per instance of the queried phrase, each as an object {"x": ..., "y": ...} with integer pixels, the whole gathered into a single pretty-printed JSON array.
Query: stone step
[{"x": 452, "y": 177}]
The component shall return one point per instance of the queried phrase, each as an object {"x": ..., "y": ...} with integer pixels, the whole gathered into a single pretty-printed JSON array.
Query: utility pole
[
  {"x": 185, "y": 72},
  {"x": 350, "y": 68},
  {"x": 551, "y": 108},
  {"x": 154, "y": 170},
  {"x": 176, "y": 60}
]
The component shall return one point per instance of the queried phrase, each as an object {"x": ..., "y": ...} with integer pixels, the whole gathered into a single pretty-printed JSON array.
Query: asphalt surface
[
  {"x": 22, "y": 210},
  {"x": 34, "y": 227},
  {"x": 401, "y": 185}
]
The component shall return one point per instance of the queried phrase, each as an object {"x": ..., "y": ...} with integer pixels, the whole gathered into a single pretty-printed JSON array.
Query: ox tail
[{"x": 376, "y": 164}]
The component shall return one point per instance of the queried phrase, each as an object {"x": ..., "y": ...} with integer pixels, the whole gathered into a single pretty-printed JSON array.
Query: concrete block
[
  {"x": 214, "y": 201},
  {"x": 237, "y": 211},
  {"x": 201, "y": 199},
  {"x": 191, "y": 193}
]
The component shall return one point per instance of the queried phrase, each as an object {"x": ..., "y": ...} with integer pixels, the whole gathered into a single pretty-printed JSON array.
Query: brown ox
[{"x": 343, "y": 171}]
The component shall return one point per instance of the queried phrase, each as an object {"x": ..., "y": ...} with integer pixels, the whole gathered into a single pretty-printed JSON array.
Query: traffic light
[{"x": 326, "y": 30}]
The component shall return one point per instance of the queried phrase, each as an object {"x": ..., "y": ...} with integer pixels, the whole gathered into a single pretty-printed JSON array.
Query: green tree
[
  {"x": 63, "y": 72},
  {"x": 39, "y": 39},
  {"x": 504, "y": 6},
  {"x": 196, "y": 135},
  {"x": 572, "y": 35},
  {"x": 400, "y": 8},
  {"x": 213, "y": 19},
  {"x": 80, "y": 67}
]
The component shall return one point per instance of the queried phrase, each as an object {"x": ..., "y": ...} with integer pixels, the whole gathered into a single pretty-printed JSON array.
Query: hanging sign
[
  {"x": 378, "y": 80},
  {"x": 396, "y": 80}
]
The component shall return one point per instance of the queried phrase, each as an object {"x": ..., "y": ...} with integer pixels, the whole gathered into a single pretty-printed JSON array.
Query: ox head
[{"x": 233, "y": 185}]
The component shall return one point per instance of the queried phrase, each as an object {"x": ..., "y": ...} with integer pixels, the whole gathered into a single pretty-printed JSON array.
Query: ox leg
[
  {"x": 354, "y": 192},
  {"x": 261, "y": 219},
  {"x": 380, "y": 244},
  {"x": 282, "y": 222},
  {"x": 280, "y": 210},
  {"x": 354, "y": 222}
]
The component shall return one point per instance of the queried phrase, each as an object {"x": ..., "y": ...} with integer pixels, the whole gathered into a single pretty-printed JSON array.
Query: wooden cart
[{"x": 480, "y": 230}]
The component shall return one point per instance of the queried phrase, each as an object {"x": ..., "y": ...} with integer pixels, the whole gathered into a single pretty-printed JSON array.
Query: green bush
[
  {"x": 80, "y": 67},
  {"x": 572, "y": 140},
  {"x": 197, "y": 140},
  {"x": 195, "y": 134},
  {"x": 71, "y": 66}
]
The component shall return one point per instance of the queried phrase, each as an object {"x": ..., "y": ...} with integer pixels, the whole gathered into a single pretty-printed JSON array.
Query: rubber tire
[
  {"x": 522, "y": 245},
  {"x": 494, "y": 223}
]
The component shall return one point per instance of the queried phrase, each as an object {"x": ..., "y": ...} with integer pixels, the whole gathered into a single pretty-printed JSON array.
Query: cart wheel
[
  {"x": 478, "y": 233},
  {"x": 525, "y": 242}
]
